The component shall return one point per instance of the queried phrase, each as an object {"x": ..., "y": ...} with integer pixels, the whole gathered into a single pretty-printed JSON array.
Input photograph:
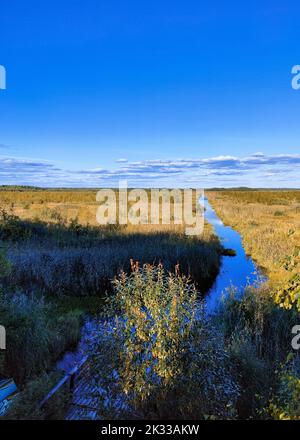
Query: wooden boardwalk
[
  {"x": 78, "y": 380},
  {"x": 82, "y": 404}
]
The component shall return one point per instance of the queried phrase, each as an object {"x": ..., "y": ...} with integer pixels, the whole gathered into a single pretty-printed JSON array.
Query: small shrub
[{"x": 161, "y": 360}]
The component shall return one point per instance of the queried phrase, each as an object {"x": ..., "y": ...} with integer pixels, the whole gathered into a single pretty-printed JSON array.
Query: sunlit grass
[{"x": 269, "y": 222}]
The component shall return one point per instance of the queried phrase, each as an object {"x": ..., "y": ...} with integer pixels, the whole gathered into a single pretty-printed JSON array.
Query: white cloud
[{"x": 257, "y": 169}]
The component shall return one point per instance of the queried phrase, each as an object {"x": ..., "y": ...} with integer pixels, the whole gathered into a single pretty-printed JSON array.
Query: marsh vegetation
[
  {"x": 55, "y": 270},
  {"x": 57, "y": 265}
]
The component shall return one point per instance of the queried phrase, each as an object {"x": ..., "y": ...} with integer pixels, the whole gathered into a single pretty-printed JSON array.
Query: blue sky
[{"x": 161, "y": 93}]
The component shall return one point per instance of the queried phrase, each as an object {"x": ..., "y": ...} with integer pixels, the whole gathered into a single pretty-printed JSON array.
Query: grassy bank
[{"x": 268, "y": 222}]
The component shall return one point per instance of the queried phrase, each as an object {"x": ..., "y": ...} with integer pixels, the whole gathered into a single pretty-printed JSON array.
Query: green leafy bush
[
  {"x": 162, "y": 359},
  {"x": 285, "y": 403}
]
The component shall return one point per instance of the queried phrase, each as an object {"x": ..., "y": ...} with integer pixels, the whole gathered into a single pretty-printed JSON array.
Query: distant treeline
[
  {"x": 245, "y": 188},
  {"x": 38, "y": 188}
]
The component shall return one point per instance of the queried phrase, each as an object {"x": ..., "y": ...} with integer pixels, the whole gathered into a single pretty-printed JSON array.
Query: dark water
[{"x": 236, "y": 272}]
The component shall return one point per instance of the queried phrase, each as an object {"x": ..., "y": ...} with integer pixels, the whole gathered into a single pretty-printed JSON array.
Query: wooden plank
[{"x": 68, "y": 377}]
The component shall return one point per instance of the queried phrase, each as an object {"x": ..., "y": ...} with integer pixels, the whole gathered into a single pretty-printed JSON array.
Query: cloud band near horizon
[{"x": 256, "y": 170}]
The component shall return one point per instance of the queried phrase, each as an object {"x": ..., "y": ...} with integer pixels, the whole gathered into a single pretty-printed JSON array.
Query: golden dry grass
[
  {"x": 269, "y": 222},
  {"x": 54, "y": 206},
  {"x": 51, "y": 206}
]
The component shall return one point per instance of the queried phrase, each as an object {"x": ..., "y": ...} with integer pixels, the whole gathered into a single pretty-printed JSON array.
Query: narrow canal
[{"x": 236, "y": 272}]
